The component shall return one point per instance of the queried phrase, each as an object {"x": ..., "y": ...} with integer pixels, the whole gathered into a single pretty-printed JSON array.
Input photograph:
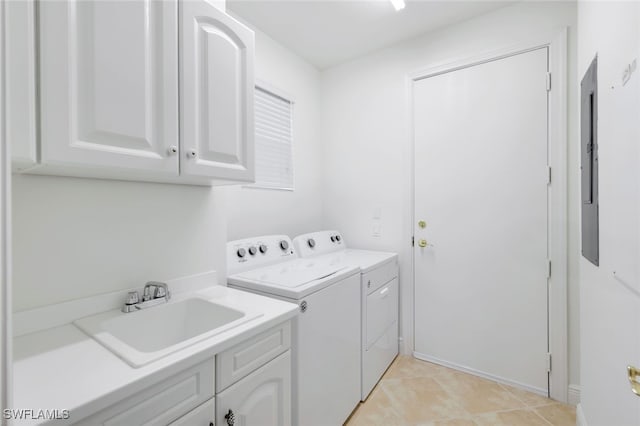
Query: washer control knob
[
  {"x": 311, "y": 242},
  {"x": 241, "y": 253},
  {"x": 338, "y": 238},
  {"x": 333, "y": 238},
  {"x": 284, "y": 245},
  {"x": 263, "y": 248},
  {"x": 253, "y": 251}
]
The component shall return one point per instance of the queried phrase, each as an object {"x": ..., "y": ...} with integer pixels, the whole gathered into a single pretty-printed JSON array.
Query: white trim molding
[
  {"x": 558, "y": 217},
  {"x": 580, "y": 419},
  {"x": 557, "y": 195},
  {"x": 482, "y": 374},
  {"x": 5, "y": 236},
  {"x": 574, "y": 395}
]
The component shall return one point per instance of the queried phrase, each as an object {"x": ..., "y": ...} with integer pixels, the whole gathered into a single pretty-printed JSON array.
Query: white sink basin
[{"x": 143, "y": 336}]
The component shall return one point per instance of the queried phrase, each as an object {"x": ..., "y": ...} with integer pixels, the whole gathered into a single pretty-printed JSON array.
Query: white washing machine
[
  {"x": 326, "y": 333},
  {"x": 379, "y": 298}
]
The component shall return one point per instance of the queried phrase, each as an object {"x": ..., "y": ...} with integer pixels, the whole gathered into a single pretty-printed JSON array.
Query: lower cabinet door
[
  {"x": 263, "y": 398},
  {"x": 200, "y": 416}
]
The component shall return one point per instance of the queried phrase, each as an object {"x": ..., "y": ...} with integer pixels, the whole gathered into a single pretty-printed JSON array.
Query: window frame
[{"x": 277, "y": 92}]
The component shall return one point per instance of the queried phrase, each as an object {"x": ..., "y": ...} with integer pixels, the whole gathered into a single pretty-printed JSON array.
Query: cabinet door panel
[
  {"x": 20, "y": 82},
  {"x": 262, "y": 398},
  {"x": 162, "y": 403},
  {"x": 109, "y": 87},
  {"x": 216, "y": 94}
]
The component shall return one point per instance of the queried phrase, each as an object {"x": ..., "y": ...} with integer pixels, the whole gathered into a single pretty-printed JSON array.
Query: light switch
[
  {"x": 377, "y": 213},
  {"x": 377, "y": 229}
]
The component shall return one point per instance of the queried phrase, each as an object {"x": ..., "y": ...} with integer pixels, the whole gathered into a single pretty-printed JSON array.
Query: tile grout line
[
  {"x": 543, "y": 419},
  {"x": 454, "y": 398},
  {"x": 391, "y": 399},
  {"x": 513, "y": 394},
  {"x": 438, "y": 377}
]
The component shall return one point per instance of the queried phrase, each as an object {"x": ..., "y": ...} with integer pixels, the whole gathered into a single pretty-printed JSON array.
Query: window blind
[{"x": 273, "y": 141}]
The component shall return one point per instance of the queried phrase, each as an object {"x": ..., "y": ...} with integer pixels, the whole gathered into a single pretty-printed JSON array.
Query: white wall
[
  {"x": 254, "y": 211},
  {"x": 367, "y": 149},
  {"x": 75, "y": 238},
  {"x": 610, "y": 308}
]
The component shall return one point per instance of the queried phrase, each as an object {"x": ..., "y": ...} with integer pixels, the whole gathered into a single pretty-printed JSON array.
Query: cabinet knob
[
  {"x": 230, "y": 418},
  {"x": 192, "y": 153},
  {"x": 172, "y": 150}
]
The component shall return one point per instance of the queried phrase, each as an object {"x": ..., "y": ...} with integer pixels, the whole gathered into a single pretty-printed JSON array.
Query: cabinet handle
[
  {"x": 230, "y": 417},
  {"x": 172, "y": 150}
]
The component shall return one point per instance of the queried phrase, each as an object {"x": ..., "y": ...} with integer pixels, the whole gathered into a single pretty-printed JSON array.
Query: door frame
[{"x": 557, "y": 141}]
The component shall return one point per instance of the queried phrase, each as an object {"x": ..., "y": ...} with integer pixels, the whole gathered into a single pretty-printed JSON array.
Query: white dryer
[
  {"x": 326, "y": 333},
  {"x": 379, "y": 298}
]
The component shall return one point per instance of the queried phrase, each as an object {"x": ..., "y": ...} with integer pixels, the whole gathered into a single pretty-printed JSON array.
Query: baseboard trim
[
  {"x": 539, "y": 391},
  {"x": 580, "y": 419},
  {"x": 574, "y": 394}
]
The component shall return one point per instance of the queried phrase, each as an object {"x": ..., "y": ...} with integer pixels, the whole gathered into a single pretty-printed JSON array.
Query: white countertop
[{"x": 62, "y": 368}]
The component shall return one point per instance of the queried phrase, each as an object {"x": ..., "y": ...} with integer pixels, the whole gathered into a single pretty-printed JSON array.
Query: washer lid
[
  {"x": 293, "y": 274},
  {"x": 294, "y": 279}
]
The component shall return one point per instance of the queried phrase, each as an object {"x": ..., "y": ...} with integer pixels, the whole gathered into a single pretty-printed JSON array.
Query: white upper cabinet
[
  {"x": 116, "y": 83},
  {"x": 109, "y": 85},
  {"x": 216, "y": 99}
]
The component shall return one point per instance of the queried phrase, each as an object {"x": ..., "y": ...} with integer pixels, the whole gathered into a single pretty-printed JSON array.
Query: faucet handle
[
  {"x": 131, "y": 302},
  {"x": 132, "y": 298}
]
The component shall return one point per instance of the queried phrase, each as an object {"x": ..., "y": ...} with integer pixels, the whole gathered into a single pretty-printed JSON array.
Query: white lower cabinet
[
  {"x": 161, "y": 403},
  {"x": 257, "y": 393},
  {"x": 261, "y": 398},
  {"x": 201, "y": 416}
]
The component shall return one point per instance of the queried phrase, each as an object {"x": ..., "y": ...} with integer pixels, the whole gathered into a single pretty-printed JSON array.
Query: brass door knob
[
  {"x": 634, "y": 376},
  {"x": 422, "y": 243},
  {"x": 422, "y": 224}
]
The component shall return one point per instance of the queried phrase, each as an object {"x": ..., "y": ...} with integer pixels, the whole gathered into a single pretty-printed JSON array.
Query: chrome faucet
[{"x": 154, "y": 293}]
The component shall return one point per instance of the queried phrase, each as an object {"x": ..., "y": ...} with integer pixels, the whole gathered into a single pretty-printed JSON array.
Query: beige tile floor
[{"x": 414, "y": 392}]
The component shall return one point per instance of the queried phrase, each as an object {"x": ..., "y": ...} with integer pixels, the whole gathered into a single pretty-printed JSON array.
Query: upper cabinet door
[
  {"x": 216, "y": 98},
  {"x": 109, "y": 85},
  {"x": 20, "y": 83}
]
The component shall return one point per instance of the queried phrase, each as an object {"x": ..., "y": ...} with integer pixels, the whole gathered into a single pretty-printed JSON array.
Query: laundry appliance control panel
[
  {"x": 318, "y": 243},
  {"x": 251, "y": 253}
]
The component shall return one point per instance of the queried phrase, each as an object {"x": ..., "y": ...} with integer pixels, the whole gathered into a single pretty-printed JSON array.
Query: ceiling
[{"x": 328, "y": 32}]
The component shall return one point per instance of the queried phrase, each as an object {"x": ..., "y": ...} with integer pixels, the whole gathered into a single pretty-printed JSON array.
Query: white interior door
[{"x": 481, "y": 187}]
